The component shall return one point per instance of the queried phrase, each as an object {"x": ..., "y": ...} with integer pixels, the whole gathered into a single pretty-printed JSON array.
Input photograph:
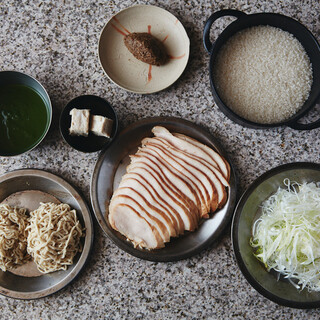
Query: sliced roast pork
[
  {"x": 127, "y": 221},
  {"x": 204, "y": 178},
  {"x": 179, "y": 186},
  {"x": 184, "y": 183},
  {"x": 143, "y": 210},
  {"x": 224, "y": 167},
  {"x": 132, "y": 184},
  {"x": 166, "y": 195},
  {"x": 171, "y": 183},
  {"x": 218, "y": 182},
  {"x": 182, "y": 169},
  {"x": 183, "y": 144}
]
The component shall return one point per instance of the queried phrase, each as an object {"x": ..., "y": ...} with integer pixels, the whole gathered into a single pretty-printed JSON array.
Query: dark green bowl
[
  {"x": 266, "y": 283},
  {"x": 25, "y": 113}
]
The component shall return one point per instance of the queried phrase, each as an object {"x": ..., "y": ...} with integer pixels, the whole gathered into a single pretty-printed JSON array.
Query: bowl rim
[
  {"x": 49, "y": 121},
  {"x": 235, "y": 228}
]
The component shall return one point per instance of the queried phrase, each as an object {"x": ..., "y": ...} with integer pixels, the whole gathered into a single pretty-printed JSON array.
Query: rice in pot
[{"x": 263, "y": 74}]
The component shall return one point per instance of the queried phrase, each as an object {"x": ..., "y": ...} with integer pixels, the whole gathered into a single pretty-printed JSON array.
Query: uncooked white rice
[{"x": 263, "y": 74}]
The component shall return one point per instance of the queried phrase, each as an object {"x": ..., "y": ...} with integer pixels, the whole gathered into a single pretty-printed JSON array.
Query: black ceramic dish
[
  {"x": 285, "y": 23},
  {"x": 97, "y": 106},
  {"x": 280, "y": 291},
  {"x": 110, "y": 167}
]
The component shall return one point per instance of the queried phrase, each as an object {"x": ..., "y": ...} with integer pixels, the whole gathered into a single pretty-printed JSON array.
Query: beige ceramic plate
[{"x": 128, "y": 72}]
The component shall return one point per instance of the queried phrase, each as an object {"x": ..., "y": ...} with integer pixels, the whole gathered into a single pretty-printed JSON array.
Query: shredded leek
[{"x": 286, "y": 237}]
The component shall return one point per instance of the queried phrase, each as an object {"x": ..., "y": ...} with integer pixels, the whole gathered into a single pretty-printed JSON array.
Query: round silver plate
[
  {"x": 111, "y": 166},
  {"x": 27, "y": 188}
]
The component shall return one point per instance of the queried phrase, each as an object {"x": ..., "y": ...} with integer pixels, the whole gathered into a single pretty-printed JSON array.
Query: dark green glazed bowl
[
  {"x": 19, "y": 78},
  {"x": 267, "y": 283}
]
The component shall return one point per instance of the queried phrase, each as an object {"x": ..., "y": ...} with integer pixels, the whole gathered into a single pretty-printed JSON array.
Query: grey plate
[
  {"x": 111, "y": 166},
  {"x": 281, "y": 292},
  {"x": 16, "y": 188}
]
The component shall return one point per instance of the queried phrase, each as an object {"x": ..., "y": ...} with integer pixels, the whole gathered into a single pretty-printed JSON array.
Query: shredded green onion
[{"x": 286, "y": 237}]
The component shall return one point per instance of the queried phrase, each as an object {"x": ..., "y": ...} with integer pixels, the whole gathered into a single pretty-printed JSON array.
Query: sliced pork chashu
[
  {"x": 183, "y": 144},
  {"x": 207, "y": 162},
  {"x": 128, "y": 222},
  {"x": 159, "y": 197},
  {"x": 142, "y": 210},
  {"x": 170, "y": 177},
  {"x": 193, "y": 210},
  {"x": 219, "y": 196},
  {"x": 132, "y": 184},
  {"x": 178, "y": 172},
  {"x": 202, "y": 175},
  {"x": 225, "y": 167},
  {"x": 171, "y": 183},
  {"x": 182, "y": 168},
  {"x": 166, "y": 195}
]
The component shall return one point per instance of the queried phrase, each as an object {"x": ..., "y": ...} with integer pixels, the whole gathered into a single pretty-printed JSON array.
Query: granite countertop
[{"x": 56, "y": 42}]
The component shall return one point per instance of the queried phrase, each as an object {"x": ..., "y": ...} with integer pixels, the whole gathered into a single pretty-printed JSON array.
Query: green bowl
[
  {"x": 267, "y": 283},
  {"x": 25, "y": 113}
]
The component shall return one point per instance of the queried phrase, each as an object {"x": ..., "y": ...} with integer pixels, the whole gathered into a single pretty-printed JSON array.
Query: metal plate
[
  {"x": 110, "y": 168},
  {"x": 29, "y": 187}
]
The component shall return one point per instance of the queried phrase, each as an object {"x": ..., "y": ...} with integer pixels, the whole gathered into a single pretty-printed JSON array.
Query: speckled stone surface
[{"x": 56, "y": 42}]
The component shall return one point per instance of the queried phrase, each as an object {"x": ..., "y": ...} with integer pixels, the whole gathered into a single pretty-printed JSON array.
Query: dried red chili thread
[
  {"x": 179, "y": 57},
  {"x": 125, "y": 29},
  {"x": 165, "y": 38},
  {"x": 117, "y": 29},
  {"x": 149, "y": 73}
]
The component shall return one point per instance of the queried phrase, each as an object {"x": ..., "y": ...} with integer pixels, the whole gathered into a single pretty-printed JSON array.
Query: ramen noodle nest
[
  {"x": 54, "y": 236},
  {"x": 13, "y": 237}
]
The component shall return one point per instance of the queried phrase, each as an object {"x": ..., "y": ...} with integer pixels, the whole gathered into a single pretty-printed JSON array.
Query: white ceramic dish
[{"x": 128, "y": 72}]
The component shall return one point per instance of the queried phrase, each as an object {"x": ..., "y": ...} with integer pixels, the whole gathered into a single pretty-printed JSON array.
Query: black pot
[{"x": 285, "y": 23}]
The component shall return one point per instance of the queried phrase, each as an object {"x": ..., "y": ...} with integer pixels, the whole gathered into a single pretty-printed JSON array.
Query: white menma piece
[
  {"x": 79, "y": 122},
  {"x": 101, "y": 126}
]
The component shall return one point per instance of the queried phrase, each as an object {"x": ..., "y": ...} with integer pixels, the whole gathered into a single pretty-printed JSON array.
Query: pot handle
[
  {"x": 305, "y": 126},
  {"x": 206, "y": 32}
]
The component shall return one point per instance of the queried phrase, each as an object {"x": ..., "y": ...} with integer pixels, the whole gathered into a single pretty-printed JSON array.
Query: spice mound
[{"x": 146, "y": 48}]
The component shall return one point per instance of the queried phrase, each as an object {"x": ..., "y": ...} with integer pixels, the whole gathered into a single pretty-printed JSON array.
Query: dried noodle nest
[
  {"x": 54, "y": 236},
  {"x": 13, "y": 237}
]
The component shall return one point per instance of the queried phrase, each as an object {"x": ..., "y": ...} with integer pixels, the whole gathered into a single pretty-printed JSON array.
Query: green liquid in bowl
[{"x": 23, "y": 119}]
